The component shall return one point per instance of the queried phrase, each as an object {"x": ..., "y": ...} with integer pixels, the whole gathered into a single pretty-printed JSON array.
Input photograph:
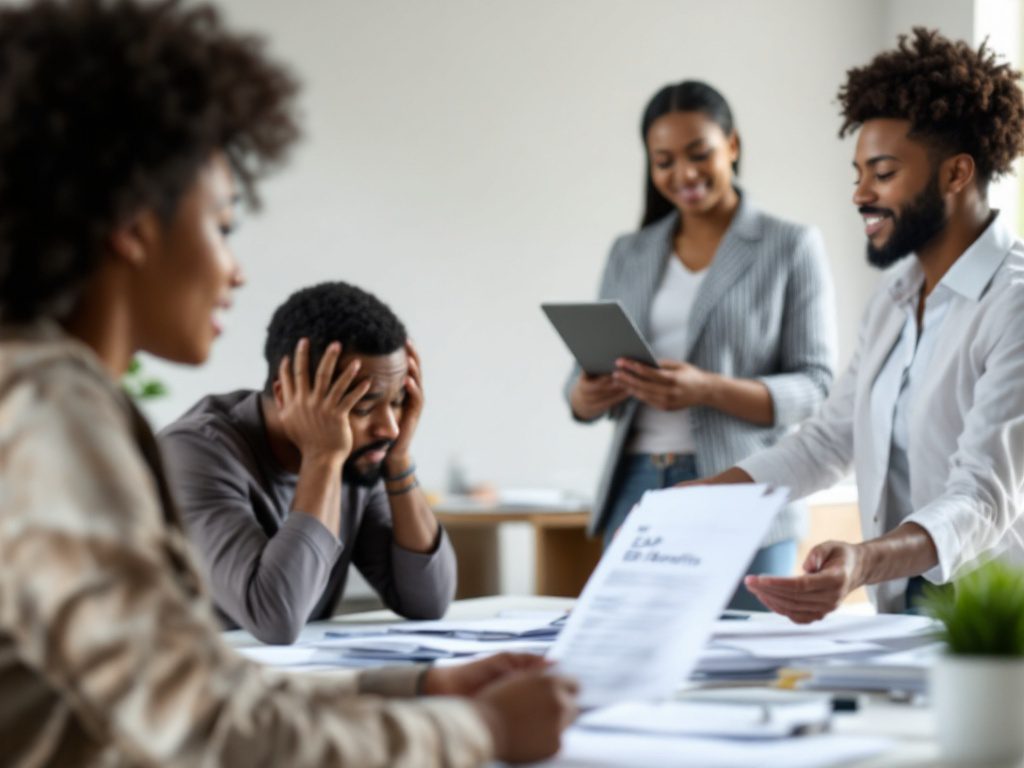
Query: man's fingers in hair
[
  {"x": 344, "y": 381},
  {"x": 354, "y": 395},
  {"x": 301, "y": 367},
  {"x": 325, "y": 370},
  {"x": 284, "y": 376}
]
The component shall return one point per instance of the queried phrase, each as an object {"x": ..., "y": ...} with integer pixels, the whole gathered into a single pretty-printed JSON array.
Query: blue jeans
[{"x": 639, "y": 473}]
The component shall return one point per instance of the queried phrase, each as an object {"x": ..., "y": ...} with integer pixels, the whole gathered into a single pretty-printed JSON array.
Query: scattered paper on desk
[
  {"x": 427, "y": 647},
  {"x": 502, "y": 628},
  {"x": 768, "y": 641},
  {"x": 290, "y": 656},
  {"x": 736, "y": 719},
  {"x": 786, "y": 648},
  {"x": 722, "y": 661},
  {"x": 583, "y": 747},
  {"x": 903, "y": 672},
  {"x": 840, "y": 626},
  {"x": 649, "y": 607}
]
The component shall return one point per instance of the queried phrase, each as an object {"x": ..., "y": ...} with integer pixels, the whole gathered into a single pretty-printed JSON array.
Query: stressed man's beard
[
  {"x": 916, "y": 225},
  {"x": 351, "y": 472}
]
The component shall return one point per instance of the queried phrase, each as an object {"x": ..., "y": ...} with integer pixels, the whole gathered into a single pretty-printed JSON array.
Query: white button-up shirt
[
  {"x": 960, "y": 418},
  {"x": 905, "y": 371}
]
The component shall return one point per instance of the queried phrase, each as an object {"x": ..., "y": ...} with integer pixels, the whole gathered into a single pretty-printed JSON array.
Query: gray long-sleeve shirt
[{"x": 272, "y": 570}]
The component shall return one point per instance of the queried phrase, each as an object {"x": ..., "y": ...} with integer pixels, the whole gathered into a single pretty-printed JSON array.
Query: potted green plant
[
  {"x": 977, "y": 686},
  {"x": 139, "y": 385}
]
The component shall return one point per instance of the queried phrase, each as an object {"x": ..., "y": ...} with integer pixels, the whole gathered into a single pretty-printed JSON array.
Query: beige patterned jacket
[{"x": 109, "y": 650}]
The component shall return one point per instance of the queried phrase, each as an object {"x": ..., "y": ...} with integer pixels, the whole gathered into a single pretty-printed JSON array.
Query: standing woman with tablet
[
  {"x": 737, "y": 305},
  {"x": 124, "y": 130}
]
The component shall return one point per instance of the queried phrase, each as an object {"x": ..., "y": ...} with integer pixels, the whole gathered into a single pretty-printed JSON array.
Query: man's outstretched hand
[{"x": 831, "y": 571}]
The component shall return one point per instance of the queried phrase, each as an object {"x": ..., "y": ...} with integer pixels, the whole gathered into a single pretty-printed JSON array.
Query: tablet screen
[{"x": 598, "y": 333}]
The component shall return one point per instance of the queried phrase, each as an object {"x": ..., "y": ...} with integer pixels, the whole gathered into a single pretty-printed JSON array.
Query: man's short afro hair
[
  {"x": 954, "y": 96},
  {"x": 329, "y": 312}
]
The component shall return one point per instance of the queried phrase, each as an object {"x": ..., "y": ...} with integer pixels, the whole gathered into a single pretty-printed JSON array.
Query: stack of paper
[
  {"x": 841, "y": 626},
  {"x": 415, "y": 641},
  {"x": 903, "y": 672},
  {"x": 537, "y": 627},
  {"x": 766, "y": 643},
  {"x": 423, "y": 647}
]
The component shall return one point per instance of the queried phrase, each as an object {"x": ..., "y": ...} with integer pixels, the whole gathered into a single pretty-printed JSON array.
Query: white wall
[
  {"x": 468, "y": 159},
  {"x": 999, "y": 22},
  {"x": 954, "y": 18}
]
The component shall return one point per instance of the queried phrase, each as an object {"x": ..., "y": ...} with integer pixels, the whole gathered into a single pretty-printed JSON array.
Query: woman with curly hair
[
  {"x": 930, "y": 412},
  {"x": 124, "y": 128}
]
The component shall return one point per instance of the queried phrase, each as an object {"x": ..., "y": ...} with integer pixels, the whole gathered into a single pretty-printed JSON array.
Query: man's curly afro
[
  {"x": 956, "y": 98},
  {"x": 329, "y": 312}
]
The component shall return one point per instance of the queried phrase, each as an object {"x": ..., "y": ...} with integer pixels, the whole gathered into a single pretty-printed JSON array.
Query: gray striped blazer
[{"x": 765, "y": 311}]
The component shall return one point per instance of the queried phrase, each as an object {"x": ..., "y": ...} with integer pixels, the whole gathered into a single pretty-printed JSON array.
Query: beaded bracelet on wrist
[
  {"x": 400, "y": 476},
  {"x": 404, "y": 489}
]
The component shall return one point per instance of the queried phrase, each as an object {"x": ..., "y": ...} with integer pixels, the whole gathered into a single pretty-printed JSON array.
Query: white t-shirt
[{"x": 657, "y": 431}]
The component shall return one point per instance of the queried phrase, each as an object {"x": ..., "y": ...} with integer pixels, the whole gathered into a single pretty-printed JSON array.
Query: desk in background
[{"x": 564, "y": 555}]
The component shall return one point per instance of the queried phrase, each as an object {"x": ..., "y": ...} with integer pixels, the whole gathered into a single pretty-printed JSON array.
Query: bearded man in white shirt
[{"x": 930, "y": 412}]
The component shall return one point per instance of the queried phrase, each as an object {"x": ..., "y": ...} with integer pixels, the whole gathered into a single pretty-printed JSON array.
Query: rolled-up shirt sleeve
[
  {"x": 982, "y": 499},
  {"x": 99, "y": 598},
  {"x": 820, "y": 453},
  {"x": 807, "y": 349},
  {"x": 416, "y": 585},
  {"x": 268, "y": 585}
]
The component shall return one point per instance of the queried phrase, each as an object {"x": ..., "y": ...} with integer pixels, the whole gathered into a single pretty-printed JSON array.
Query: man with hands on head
[
  {"x": 930, "y": 412},
  {"x": 282, "y": 490}
]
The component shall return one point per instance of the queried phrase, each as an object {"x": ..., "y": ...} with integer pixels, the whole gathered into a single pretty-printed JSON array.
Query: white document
[
  {"x": 767, "y": 641},
  {"x": 587, "y": 748},
  {"x": 715, "y": 660},
  {"x": 904, "y": 671},
  {"x": 426, "y": 647},
  {"x": 806, "y": 648},
  {"x": 775, "y": 718},
  {"x": 838, "y": 626},
  {"x": 650, "y": 605},
  {"x": 303, "y": 659},
  {"x": 501, "y": 628},
  {"x": 286, "y": 655}
]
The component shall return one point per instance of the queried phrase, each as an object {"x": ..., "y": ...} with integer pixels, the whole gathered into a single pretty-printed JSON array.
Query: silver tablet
[{"x": 598, "y": 333}]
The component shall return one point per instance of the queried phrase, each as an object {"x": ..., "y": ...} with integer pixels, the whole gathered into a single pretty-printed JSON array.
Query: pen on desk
[
  {"x": 729, "y": 615},
  {"x": 845, "y": 703}
]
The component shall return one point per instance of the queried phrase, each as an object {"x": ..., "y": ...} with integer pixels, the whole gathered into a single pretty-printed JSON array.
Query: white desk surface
[
  {"x": 843, "y": 493},
  {"x": 910, "y": 727}
]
